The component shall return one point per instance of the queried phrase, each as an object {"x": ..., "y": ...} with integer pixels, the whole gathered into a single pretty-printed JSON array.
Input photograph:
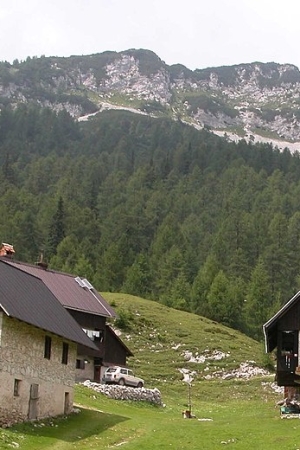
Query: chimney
[
  {"x": 7, "y": 250},
  {"x": 41, "y": 263}
]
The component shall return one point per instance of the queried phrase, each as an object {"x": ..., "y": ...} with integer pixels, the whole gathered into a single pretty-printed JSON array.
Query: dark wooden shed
[{"x": 282, "y": 333}]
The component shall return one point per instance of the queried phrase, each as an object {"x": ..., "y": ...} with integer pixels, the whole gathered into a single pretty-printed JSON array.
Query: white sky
[{"x": 196, "y": 33}]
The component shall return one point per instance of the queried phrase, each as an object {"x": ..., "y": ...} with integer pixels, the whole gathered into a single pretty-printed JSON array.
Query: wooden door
[
  {"x": 33, "y": 402},
  {"x": 97, "y": 371},
  {"x": 67, "y": 403}
]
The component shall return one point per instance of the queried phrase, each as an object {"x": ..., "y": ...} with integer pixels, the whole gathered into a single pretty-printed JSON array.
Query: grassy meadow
[{"x": 239, "y": 413}]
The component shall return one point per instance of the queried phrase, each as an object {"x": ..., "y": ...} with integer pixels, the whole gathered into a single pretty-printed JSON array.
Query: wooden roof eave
[{"x": 270, "y": 327}]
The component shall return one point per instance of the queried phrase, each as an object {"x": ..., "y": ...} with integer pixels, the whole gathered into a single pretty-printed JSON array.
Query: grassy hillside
[
  {"x": 163, "y": 340},
  {"x": 243, "y": 423},
  {"x": 238, "y": 412}
]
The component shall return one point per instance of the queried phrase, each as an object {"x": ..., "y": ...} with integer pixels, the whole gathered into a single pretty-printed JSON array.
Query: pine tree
[
  {"x": 56, "y": 229},
  {"x": 219, "y": 301},
  {"x": 258, "y": 300},
  {"x": 202, "y": 284},
  {"x": 138, "y": 278}
]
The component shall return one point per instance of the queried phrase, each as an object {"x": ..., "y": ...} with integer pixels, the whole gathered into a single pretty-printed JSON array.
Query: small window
[
  {"x": 80, "y": 364},
  {"x": 95, "y": 335},
  {"x": 47, "y": 352},
  {"x": 17, "y": 384},
  {"x": 124, "y": 371},
  {"x": 65, "y": 352}
]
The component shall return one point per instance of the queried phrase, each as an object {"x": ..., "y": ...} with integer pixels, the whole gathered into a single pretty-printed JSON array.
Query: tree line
[{"x": 154, "y": 208}]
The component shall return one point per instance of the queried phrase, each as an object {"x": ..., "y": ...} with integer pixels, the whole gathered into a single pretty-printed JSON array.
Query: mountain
[
  {"x": 149, "y": 206},
  {"x": 256, "y": 101}
]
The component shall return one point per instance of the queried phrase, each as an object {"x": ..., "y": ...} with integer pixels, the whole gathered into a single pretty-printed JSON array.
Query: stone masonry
[
  {"x": 31, "y": 386},
  {"x": 126, "y": 393}
]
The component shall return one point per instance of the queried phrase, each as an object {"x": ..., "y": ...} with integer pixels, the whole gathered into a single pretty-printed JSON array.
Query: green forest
[{"x": 154, "y": 208}]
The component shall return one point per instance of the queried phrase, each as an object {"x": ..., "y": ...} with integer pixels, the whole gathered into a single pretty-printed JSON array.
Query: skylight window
[
  {"x": 84, "y": 283},
  {"x": 87, "y": 283},
  {"x": 79, "y": 281}
]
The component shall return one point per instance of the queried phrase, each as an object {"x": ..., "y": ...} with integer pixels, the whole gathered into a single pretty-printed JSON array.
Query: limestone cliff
[{"x": 254, "y": 101}]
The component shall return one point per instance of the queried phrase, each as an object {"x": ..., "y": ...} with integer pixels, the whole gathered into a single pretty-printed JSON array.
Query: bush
[{"x": 123, "y": 320}]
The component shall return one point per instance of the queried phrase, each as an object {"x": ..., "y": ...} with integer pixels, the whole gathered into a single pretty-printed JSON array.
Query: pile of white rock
[
  {"x": 246, "y": 370},
  {"x": 125, "y": 392},
  {"x": 215, "y": 355}
]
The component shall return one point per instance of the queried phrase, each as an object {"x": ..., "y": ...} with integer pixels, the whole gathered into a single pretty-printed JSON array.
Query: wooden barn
[{"x": 282, "y": 332}]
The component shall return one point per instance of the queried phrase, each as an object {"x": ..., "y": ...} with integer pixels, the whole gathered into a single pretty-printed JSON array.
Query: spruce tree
[{"x": 57, "y": 230}]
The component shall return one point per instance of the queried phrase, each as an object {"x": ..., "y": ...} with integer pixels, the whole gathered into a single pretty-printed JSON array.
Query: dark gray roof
[
  {"x": 270, "y": 327},
  {"x": 26, "y": 298},
  {"x": 68, "y": 291}
]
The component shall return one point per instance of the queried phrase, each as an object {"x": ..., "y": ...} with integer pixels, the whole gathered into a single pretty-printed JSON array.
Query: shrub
[{"x": 123, "y": 320}]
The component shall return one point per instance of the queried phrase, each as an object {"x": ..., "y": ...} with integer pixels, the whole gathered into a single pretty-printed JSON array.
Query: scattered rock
[
  {"x": 274, "y": 387},
  {"x": 216, "y": 355},
  {"x": 188, "y": 375},
  {"x": 246, "y": 370}
]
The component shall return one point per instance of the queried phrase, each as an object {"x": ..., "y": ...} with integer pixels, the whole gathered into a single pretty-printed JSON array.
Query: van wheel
[
  {"x": 140, "y": 385},
  {"x": 121, "y": 382}
]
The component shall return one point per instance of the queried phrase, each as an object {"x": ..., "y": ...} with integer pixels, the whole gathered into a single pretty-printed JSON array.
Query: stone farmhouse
[
  {"x": 91, "y": 312},
  {"x": 38, "y": 348}
]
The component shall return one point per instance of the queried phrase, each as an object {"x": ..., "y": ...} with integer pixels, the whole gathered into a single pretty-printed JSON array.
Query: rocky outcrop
[
  {"x": 123, "y": 76},
  {"x": 250, "y": 101}
]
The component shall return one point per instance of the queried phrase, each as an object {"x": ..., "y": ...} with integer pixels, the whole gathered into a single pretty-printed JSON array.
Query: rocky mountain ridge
[{"x": 256, "y": 101}]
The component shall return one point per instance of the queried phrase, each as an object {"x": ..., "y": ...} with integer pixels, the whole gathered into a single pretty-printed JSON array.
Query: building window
[
  {"x": 65, "y": 352},
  {"x": 95, "y": 335},
  {"x": 17, "y": 384},
  {"x": 47, "y": 351},
  {"x": 98, "y": 335},
  {"x": 80, "y": 364}
]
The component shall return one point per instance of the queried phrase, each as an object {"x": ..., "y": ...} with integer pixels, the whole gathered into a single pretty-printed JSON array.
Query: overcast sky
[{"x": 195, "y": 33}]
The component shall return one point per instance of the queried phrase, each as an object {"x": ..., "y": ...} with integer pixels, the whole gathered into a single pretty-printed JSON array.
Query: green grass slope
[
  {"x": 238, "y": 412},
  {"x": 163, "y": 341}
]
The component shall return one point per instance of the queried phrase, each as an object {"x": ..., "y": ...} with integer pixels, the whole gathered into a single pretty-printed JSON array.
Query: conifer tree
[
  {"x": 202, "y": 284},
  {"x": 219, "y": 302},
  {"x": 138, "y": 278},
  {"x": 56, "y": 229},
  {"x": 258, "y": 300}
]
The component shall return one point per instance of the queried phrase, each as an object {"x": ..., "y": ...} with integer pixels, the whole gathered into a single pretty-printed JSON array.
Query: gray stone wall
[
  {"x": 126, "y": 393},
  {"x": 22, "y": 359},
  {"x": 87, "y": 372}
]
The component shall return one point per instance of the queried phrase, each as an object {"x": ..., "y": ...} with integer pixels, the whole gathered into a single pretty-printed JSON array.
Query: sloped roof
[
  {"x": 114, "y": 334},
  {"x": 270, "y": 327},
  {"x": 68, "y": 291},
  {"x": 26, "y": 298}
]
